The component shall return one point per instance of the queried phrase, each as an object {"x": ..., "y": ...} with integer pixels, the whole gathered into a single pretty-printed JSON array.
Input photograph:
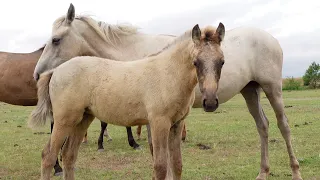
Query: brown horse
[
  {"x": 157, "y": 90},
  {"x": 17, "y": 86}
]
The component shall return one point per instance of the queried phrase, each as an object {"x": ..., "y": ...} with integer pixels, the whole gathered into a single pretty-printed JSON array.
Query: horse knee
[
  {"x": 160, "y": 170},
  {"x": 178, "y": 167},
  {"x": 47, "y": 160}
]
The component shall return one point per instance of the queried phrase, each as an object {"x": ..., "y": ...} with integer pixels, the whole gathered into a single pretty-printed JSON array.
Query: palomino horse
[
  {"x": 19, "y": 88},
  {"x": 128, "y": 94},
  {"x": 254, "y": 62}
]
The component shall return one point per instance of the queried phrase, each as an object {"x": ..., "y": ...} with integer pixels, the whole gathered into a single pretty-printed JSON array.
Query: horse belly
[{"x": 119, "y": 111}]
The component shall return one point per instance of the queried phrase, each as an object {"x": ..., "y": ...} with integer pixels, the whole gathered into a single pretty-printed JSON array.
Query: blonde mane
[{"x": 108, "y": 32}]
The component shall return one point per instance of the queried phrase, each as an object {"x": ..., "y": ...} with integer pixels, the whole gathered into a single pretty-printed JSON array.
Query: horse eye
[
  {"x": 56, "y": 41},
  {"x": 195, "y": 63},
  {"x": 222, "y": 63}
]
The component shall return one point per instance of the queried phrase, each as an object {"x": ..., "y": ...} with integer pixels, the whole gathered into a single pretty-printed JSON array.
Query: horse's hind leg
[
  {"x": 139, "y": 131},
  {"x": 57, "y": 167},
  {"x": 131, "y": 140},
  {"x": 252, "y": 96},
  {"x": 51, "y": 150},
  {"x": 106, "y": 134},
  {"x": 184, "y": 133},
  {"x": 274, "y": 94},
  {"x": 71, "y": 148},
  {"x": 85, "y": 138},
  {"x": 100, "y": 140}
]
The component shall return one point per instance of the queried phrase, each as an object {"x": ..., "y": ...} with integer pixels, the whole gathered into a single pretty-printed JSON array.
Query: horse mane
[
  {"x": 108, "y": 32},
  {"x": 207, "y": 34}
]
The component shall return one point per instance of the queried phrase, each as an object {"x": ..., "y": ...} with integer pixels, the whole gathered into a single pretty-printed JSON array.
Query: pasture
[{"x": 230, "y": 134}]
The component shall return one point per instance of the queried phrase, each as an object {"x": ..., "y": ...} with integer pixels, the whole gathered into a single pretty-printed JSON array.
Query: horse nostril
[
  {"x": 36, "y": 76},
  {"x": 217, "y": 101},
  {"x": 204, "y": 103}
]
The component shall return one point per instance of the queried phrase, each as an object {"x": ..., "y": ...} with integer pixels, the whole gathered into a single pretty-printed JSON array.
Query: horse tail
[{"x": 43, "y": 110}]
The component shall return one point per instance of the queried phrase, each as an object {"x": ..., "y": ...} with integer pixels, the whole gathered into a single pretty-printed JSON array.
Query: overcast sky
[{"x": 26, "y": 24}]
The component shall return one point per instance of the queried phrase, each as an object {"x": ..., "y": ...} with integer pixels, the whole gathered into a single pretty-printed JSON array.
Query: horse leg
[
  {"x": 57, "y": 168},
  {"x": 160, "y": 128},
  {"x": 274, "y": 95},
  {"x": 175, "y": 149},
  {"x": 85, "y": 138},
  {"x": 184, "y": 133},
  {"x": 71, "y": 148},
  {"x": 131, "y": 140},
  {"x": 100, "y": 140},
  {"x": 149, "y": 138},
  {"x": 139, "y": 131},
  {"x": 106, "y": 134},
  {"x": 251, "y": 93},
  {"x": 51, "y": 150}
]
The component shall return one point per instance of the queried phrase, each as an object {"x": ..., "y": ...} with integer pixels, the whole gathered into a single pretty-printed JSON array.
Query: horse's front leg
[
  {"x": 160, "y": 128},
  {"x": 131, "y": 140},
  {"x": 175, "y": 149}
]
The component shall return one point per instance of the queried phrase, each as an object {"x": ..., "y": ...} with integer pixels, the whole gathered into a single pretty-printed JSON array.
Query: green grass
[{"x": 230, "y": 132}]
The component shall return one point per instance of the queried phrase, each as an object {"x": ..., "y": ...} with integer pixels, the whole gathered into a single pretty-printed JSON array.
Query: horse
[
  {"x": 19, "y": 88},
  {"x": 128, "y": 94},
  {"x": 17, "y": 84},
  {"x": 254, "y": 64}
]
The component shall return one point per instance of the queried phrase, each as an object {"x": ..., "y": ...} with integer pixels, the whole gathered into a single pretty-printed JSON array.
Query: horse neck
[
  {"x": 177, "y": 61},
  {"x": 128, "y": 47},
  {"x": 179, "y": 54}
]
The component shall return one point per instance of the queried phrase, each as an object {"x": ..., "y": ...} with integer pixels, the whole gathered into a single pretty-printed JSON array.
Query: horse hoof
[
  {"x": 100, "y": 150},
  {"x": 58, "y": 173},
  {"x": 137, "y": 148},
  {"x": 85, "y": 142},
  {"x": 109, "y": 140}
]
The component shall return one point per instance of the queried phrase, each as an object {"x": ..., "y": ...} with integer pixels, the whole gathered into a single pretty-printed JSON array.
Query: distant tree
[{"x": 312, "y": 76}]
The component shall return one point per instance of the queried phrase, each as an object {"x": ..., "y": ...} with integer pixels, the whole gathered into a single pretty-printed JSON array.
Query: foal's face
[
  {"x": 67, "y": 41},
  {"x": 208, "y": 63}
]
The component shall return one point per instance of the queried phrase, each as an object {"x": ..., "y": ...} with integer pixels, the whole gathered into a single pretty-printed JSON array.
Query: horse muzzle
[
  {"x": 210, "y": 103},
  {"x": 36, "y": 76}
]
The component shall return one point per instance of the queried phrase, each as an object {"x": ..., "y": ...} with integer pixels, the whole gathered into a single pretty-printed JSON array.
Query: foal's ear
[
  {"x": 70, "y": 14},
  {"x": 196, "y": 34},
  {"x": 220, "y": 31}
]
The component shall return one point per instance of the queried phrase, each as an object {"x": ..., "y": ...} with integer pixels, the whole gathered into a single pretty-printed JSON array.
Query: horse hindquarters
[{"x": 71, "y": 147}]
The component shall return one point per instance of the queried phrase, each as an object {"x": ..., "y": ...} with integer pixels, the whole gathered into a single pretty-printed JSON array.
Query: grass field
[{"x": 230, "y": 132}]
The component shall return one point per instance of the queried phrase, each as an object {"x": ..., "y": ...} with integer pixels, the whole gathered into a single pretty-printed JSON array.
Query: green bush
[
  {"x": 312, "y": 76},
  {"x": 291, "y": 84}
]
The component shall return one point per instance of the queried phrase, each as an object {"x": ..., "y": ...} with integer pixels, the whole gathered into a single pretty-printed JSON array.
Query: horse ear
[
  {"x": 196, "y": 34},
  {"x": 70, "y": 14},
  {"x": 220, "y": 31}
]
